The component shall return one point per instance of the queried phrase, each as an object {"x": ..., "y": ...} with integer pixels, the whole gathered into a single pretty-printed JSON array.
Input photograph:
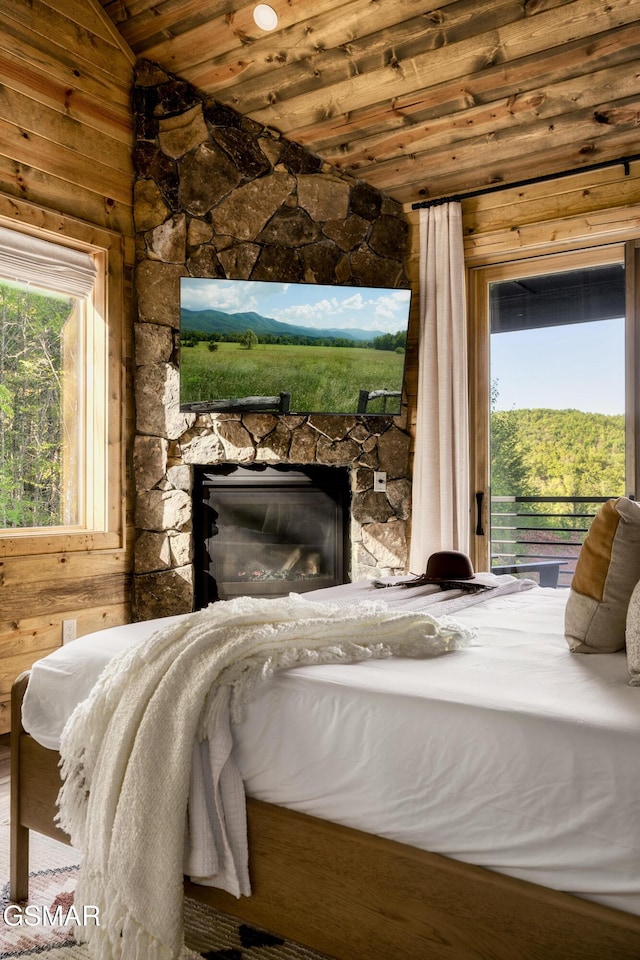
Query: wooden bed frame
[{"x": 352, "y": 895}]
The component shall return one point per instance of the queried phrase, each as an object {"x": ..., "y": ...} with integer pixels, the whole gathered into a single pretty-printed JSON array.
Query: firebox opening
[{"x": 270, "y": 531}]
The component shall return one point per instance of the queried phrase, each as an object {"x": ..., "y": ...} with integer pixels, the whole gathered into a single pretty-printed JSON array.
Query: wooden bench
[
  {"x": 367, "y": 395},
  {"x": 279, "y": 404}
]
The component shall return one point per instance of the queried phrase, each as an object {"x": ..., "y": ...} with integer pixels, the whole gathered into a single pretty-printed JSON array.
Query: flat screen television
[{"x": 300, "y": 348}]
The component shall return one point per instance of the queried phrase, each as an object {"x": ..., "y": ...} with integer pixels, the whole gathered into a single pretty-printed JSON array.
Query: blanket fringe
[{"x": 120, "y": 936}]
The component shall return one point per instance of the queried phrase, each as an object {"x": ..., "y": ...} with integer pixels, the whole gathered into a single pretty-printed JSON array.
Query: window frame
[
  {"x": 103, "y": 426},
  {"x": 480, "y": 276}
]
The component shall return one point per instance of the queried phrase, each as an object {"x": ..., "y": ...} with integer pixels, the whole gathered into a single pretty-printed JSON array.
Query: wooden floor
[{"x": 4, "y": 780}]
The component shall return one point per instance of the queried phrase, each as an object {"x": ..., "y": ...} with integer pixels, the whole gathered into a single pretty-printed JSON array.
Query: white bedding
[{"x": 513, "y": 754}]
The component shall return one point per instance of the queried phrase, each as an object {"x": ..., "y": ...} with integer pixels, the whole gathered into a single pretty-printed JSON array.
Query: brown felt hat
[{"x": 448, "y": 565}]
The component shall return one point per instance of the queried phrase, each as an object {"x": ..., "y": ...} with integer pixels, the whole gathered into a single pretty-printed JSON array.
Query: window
[
  {"x": 60, "y": 484},
  {"x": 38, "y": 436}
]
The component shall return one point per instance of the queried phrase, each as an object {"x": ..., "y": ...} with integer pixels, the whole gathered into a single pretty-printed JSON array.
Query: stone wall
[{"x": 217, "y": 195}]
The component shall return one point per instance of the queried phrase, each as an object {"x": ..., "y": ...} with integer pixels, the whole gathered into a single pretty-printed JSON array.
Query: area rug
[{"x": 43, "y": 932}]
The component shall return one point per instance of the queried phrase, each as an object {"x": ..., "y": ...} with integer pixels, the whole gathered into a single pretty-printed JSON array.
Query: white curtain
[{"x": 441, "y": 492}]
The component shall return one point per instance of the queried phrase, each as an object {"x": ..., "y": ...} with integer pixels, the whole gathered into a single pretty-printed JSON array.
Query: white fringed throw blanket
[{"x": 127, "y": 749}]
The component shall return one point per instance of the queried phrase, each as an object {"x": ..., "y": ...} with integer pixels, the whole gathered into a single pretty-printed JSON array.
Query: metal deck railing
[{"x": 530, "y": 530}]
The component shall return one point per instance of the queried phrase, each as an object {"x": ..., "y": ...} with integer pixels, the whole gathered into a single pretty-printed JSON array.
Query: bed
[{"x": 515, "y": 837}]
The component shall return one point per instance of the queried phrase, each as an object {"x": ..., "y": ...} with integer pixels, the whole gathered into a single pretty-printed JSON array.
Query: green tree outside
[
  {"x": 551, "y": 453},
  {"x": 31, "y": 391}
]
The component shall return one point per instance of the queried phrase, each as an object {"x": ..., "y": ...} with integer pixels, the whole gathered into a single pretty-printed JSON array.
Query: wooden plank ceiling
[{"x": 417, "y": 99}]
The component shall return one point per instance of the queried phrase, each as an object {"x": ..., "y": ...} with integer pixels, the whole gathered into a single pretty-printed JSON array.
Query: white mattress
[{"x": 514, "y": 754}]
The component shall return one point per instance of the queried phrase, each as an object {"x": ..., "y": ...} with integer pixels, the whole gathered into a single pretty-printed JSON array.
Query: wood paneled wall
[{"x": 65, "y": 146}]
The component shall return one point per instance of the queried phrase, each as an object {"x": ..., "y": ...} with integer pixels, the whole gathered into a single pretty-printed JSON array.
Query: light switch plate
[{"x": 379, "y": 481}]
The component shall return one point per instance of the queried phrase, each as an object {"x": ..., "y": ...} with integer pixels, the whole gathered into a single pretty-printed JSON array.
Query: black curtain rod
[{"x": 625, "y": 161}]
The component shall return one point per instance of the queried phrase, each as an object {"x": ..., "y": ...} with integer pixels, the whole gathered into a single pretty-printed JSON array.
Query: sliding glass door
[{"x": 555, "y": 405}]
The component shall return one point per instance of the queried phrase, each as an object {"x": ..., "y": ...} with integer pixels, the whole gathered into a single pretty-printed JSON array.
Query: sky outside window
[{"x": 579, "y": 366}]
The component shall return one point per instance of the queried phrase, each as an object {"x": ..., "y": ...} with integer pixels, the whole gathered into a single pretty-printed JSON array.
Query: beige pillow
[
  {"x": 607, "y": 571},
  {"x": 633, "y": 636}
]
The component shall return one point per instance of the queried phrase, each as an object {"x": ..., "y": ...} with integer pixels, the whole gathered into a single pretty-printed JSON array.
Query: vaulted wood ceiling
[{"x": 417, "y": 99}]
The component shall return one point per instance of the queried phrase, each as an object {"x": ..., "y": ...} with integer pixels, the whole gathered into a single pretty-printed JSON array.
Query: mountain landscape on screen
[
  {"x": 217, "y": 321},
  {"x": 291, "y": 347}
]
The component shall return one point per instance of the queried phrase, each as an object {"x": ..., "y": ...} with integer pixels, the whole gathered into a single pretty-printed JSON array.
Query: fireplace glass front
[{"x": 270, "y": 531}]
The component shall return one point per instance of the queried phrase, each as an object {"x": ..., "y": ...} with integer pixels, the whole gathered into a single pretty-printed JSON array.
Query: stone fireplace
[
  {"x": 217, "y": 195},
  {"x": 168, "y": 482}
]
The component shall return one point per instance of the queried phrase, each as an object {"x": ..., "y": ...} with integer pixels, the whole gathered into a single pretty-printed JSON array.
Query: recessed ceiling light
[{"x": 265, "y": 16}]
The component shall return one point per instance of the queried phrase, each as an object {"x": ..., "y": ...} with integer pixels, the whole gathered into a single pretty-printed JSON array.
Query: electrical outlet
[
  {"x": 379, "y": 481},
  {"x": 68, "y": 630}
]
